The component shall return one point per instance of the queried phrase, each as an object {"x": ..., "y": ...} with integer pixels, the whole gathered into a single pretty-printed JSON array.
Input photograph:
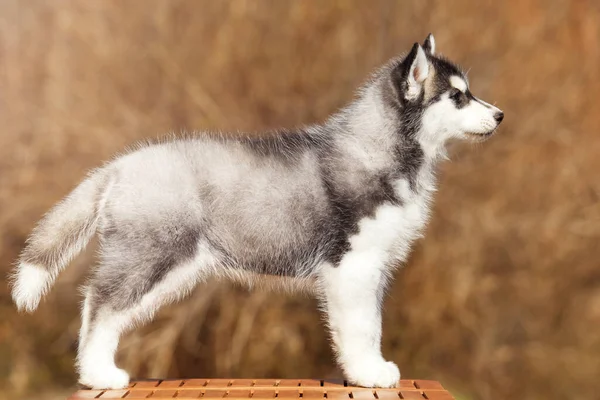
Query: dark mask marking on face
[{"x": 459, "y": 98}]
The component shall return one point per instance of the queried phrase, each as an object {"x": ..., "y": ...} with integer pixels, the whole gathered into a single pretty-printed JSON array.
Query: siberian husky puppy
[{"x": 332, "y": 207}]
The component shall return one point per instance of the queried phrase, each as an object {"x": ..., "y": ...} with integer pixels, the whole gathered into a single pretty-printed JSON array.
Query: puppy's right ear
[{"x": 417, "y": 71}]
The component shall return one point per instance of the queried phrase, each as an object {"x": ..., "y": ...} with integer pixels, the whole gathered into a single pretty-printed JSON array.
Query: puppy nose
[{"x": 499, "y": 116}]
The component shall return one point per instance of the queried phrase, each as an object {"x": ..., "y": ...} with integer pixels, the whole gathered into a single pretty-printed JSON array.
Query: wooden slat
[
  {"x": 212, "y": 383},
  {"x": 170, "y": 383},
  {"x": 114, "y": 394},
  {"x": 338, "y": 394},
  {"x": 265, "y": 383},
  {"x": 163, "y": 394},
  {"x": 239, "y": 394},
  {"x": 333, "y": 383},
  {"x": 428, "y": 385},
  {"x": 438, "y": 395},
  {"x": 363, "y": 394},
  {"x": 263, "y": 394},
  {"x": 289, "y": 382},
  {"x": 406, "y": 384},
  {"x": 146, "y": 384},
  {"x": 195, "y": 383},
  {"x": 313, "y": 393},
  {"x": 189, "y": 394},
  {"x": 412, "y": 395},
  {"x": 387, "y": 394},
  {"x": 139, "y": 394},
  {"x": 214, "y": 393},
  {"x": 310, "y": 383},
  {"x": 242, "y": 382},
  {"x": 288, "y": 393}
]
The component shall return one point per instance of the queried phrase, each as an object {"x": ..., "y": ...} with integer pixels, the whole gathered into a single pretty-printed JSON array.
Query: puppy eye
[{"x": 456, "y": 94}]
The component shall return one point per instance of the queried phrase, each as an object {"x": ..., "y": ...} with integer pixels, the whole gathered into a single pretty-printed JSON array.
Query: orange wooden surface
[{"x": 235, "y": 389}]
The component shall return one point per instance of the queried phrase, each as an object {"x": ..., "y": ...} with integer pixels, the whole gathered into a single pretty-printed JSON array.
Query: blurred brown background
[{"x": 502, "y": 298}]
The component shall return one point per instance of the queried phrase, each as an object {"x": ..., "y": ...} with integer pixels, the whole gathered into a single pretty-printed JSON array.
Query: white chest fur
[{"x": 389, "y": 234}]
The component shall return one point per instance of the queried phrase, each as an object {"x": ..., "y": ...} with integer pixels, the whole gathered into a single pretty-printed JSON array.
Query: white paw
[
  {"x": 109, "y": 378},
  {"x": 374, "y": 373}
]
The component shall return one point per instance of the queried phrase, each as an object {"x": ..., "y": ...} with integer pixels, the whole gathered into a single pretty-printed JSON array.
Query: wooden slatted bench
[{"x": 237, "y": 389}]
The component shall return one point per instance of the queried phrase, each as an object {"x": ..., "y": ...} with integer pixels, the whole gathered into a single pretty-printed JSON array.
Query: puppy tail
[{"x": 60, "y": 235}]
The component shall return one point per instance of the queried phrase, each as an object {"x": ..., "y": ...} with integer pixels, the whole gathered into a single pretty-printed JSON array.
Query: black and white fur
[{"x": 332, "y": 208}]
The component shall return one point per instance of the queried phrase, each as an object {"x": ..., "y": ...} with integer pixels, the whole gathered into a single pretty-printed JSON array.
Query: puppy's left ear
[
  {"x": 429, "y": 44},
  {"x": 417, "y": 73}
]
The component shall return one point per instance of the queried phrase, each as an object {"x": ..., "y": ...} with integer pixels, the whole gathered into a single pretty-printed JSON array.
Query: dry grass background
[{"x": 502, "y": 298}]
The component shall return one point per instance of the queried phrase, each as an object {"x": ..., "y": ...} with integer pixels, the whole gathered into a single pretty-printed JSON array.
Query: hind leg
[
  {"x": 122, "y": 296},
  {"x": 98, "y": 341}
]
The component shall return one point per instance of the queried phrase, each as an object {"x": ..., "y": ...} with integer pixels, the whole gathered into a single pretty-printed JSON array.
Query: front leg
[{"x": 352, "y": 295}]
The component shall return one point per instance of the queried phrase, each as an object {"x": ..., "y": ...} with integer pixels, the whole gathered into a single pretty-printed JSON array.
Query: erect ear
[
  {"x": 417, "y": 72},
  {"x": 429, "y": 44}
]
